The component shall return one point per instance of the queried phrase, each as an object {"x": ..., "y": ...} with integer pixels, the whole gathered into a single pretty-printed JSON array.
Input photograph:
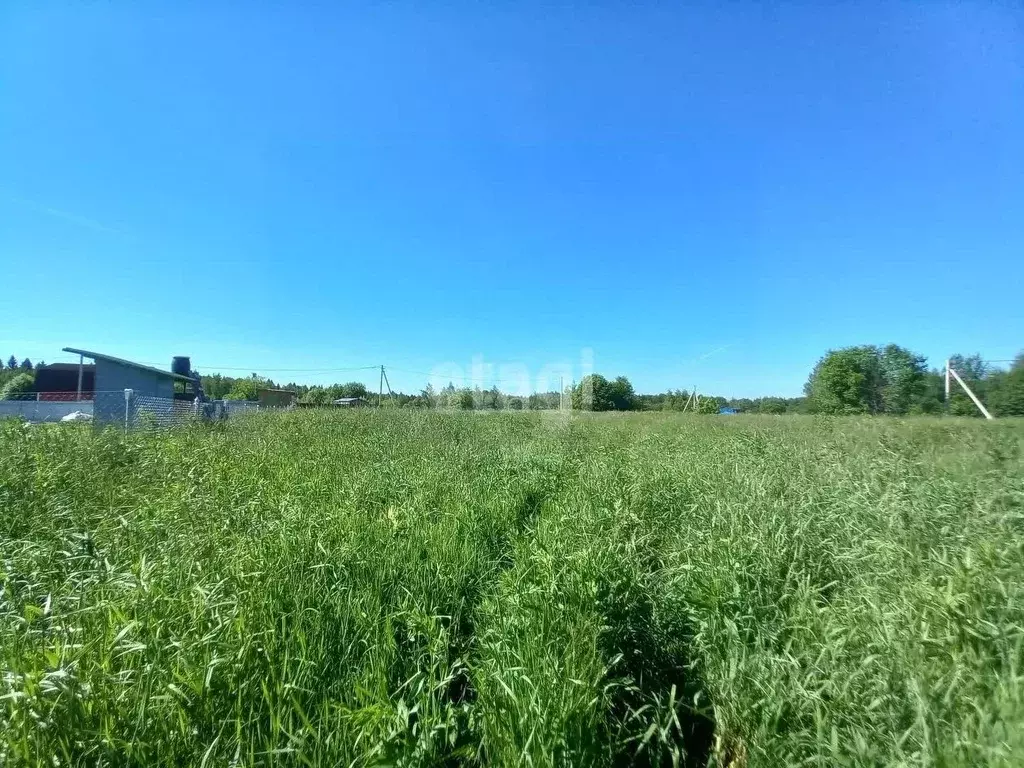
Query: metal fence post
[{"x": 127, "y": 404}]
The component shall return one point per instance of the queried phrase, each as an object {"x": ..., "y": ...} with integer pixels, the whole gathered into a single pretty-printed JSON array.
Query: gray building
[
  {"x": 350, "y": 402},
  {"x": 159, "y": 392}
]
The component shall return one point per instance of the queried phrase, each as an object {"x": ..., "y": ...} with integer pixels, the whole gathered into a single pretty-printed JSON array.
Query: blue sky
[{"x": 707, "y": 196}]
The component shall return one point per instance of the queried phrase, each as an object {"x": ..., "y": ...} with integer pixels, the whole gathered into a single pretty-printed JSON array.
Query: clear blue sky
[{"x": 710, "y": 196}]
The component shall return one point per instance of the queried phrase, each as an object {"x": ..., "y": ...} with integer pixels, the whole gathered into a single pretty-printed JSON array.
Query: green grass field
[{"x": 414, "y": 589}]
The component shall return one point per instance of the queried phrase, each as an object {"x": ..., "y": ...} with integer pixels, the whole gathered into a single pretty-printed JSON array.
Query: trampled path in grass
[{"x": 403, "y": 588}]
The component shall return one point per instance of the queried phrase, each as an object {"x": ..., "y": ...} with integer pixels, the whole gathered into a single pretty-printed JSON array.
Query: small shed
[
  {"x": 113, "y": 375},
  {"x": 275, "y": 398},
  {"x": 350, "y": 402}
]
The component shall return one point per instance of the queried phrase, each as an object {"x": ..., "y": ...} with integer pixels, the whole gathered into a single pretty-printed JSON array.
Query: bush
[{"x": 18, "y": 387}]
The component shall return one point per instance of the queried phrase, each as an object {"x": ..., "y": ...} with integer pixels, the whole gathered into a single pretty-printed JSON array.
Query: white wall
[{"x": 42, "y": 410}]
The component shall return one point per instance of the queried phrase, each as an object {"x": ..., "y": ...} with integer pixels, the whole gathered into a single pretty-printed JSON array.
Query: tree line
[
  {"x": 219, "y": 387},
  {"x": 864, "y": 379},
  {"x": 892, "y": 380},
  {"x": 597, "y": 393}
]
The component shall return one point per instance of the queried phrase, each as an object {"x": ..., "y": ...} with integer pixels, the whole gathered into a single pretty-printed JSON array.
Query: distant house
[
  {"x": 113, "y": 375},
  {"x": 275, "y": 398},
  {"x": 60, "y": 381},
  {"x": 350, "y": 402},
  {"x": 727, "y": 411}
]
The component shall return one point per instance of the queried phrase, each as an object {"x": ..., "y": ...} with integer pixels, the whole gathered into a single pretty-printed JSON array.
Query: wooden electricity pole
[{"x": 380, "y": 389}]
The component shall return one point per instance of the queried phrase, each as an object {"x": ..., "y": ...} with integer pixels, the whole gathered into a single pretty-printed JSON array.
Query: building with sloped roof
[
  {"x": 350, "y": 402},
  {"x": 113, "y": 375}
]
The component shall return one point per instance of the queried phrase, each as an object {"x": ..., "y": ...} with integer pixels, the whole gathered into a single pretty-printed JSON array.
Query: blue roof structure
[{"x": 129, "y": 363}]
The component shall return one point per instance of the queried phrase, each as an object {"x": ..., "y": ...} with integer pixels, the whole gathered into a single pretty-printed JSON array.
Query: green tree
[
  {"x": 866, "y": 379},
  {"x": 846, "y": 381},
  {"x": 352, "y": 389},
  {"x": 316, "y": 396},
  {"x": 771, "y": 405},
  {"x": 903, "y": 379},
  {"x": 18, "y": 387},
  {"x": 12, "y": 362},
  {"x": 970, "y": 367},
  {"x": 248, "y": 389},
  {"x": 672, "y": 400},
  {"x": 494, "y": 399},
  {"x": 621, "y": 394},
  {"x": 216, "y": 386},
  {"x": 596, "y": 393},
  {"x": 429, "y": 396},
  {"x": 543, "y": 401},
  {"x": 1005, "y": 390},
  {"x": 707, "y": 405},
  {"x": 26, "y": 364},
  {"x": 932, "y": 395},
  {"x": 591, "y": 394}
]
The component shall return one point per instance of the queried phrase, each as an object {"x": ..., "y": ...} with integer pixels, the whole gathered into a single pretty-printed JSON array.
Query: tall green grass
[{"x": 413, "y": 589}]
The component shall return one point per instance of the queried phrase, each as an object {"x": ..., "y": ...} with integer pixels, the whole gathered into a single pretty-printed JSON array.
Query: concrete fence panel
[{"x": 42, "y": 410}]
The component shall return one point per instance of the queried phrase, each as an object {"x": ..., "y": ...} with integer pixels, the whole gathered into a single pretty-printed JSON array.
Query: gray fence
[
  {"x": 42, "y": 410},
  {"x": 148, "y": 412},
  {"x": 123, "y": 407},
  {"x": 141, "y": 411},
  {"x": 239, "y": 406}
]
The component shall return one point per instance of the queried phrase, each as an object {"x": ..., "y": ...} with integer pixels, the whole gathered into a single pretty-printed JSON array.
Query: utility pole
[
  {"x": 947, "y": 383},
  {"x": 561, "y": 393},
  {"x": 977, "y": 402},
  {"x": 81, "y": 366},
  {"x": 380, "y": 389},
  {"x": 390, "y": 393}
]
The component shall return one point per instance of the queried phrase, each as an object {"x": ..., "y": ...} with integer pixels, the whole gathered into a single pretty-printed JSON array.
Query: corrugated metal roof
[{"x": 129, "y": 363}]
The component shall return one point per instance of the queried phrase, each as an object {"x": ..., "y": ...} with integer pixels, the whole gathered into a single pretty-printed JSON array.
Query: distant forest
[{"x": 862, "y": 379}]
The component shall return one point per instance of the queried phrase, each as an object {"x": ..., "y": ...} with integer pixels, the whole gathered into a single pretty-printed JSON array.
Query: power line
[
  {"x": 460, "y": 378},
  {"x": 252, "y": 368},
  {"x": 258, "y": 369},
  {"x": 288, "y": 370}
]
